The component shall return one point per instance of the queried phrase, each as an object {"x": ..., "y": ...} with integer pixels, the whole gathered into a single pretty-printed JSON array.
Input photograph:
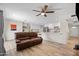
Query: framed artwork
[
  {"x": 45, "y": 29},
  {"x": 56, "y": 29},
  {"x": 13, "y": 26}
]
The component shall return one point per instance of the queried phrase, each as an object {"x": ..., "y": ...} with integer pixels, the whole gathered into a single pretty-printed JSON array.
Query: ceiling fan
[{"x": 44, "y": 11}]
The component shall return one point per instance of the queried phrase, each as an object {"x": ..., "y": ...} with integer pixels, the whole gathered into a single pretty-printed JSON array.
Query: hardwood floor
[{"x": 47, "y": 48}]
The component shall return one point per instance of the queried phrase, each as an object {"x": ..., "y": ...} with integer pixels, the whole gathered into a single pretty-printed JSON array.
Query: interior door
[{"x": 2, "y": 49}]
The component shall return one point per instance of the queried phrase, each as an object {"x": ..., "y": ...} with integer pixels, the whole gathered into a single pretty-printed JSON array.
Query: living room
[{"x": 55, "y": 30}]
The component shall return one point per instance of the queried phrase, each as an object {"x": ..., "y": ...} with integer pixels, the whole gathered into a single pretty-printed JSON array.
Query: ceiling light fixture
[{"x": 43, "y": 14}]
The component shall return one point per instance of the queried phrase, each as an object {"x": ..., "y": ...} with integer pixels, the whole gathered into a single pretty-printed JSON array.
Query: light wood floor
[{"x": 47, "y": 48}]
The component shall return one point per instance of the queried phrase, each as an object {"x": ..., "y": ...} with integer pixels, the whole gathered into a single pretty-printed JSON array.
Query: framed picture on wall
[
  {"x": 13, "y": 27},
  {"x": 45, "y": 29},
  {"x": 56, "y": 29}
]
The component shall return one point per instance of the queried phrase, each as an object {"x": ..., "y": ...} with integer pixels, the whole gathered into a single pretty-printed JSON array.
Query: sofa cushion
[
  {"x": 18, "y": 41},
  {"x": 24, "y": 38},
  {"x": 24, "y": 41},
  {"x": 37, "y": 38},
  {"x": 21, "y": 34}
]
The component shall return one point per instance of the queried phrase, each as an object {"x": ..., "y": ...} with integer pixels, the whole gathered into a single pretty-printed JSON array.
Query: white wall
[
  {"x": 37, "y": 27},
  {"x": 8, "y": 34},
  {"x": 60, "y": 37}
]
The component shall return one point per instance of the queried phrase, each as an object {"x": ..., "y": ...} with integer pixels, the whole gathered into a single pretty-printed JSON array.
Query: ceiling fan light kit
[{"x": 43, "y": 14}]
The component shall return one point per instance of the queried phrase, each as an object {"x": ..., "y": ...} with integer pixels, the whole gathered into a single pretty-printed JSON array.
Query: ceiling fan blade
[
  {"x": 42, "y": 9},
  {"x": 38, "y": 14},
  {"x": 36, "y": 10},
  {"x": 45, "y": 7},
  {"x": 55, "y": 8},
  {"x": 50, "y": 11},
  {"x": 73, "y": 15}
]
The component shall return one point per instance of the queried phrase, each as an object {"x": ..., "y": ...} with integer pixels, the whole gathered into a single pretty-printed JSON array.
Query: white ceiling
[{"x": 24, "y": 11}]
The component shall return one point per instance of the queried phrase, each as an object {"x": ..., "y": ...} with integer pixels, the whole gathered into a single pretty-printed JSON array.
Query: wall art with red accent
[{"x": 13, "y": 26}]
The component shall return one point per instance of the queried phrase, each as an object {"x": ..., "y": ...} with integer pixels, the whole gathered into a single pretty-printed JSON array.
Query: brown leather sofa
[{"x": 26, "y": 39}]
